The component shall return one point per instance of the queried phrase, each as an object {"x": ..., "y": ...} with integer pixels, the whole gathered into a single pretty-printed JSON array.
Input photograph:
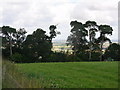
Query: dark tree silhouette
[
  {"x": 104, "y": 30},
  {"x": 92, "y": 28},
  {"x": 37, "y": 46},
  {"x": 19, "y": 38},
  {"x": 113, "y": 52},
  {"x": 7, "y": 34},
  {"x": 77, "y": 39},
  {"x": 52, "y": 32}
]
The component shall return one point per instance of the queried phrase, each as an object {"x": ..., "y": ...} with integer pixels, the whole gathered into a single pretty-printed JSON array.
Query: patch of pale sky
[{"x": 33, "y": 14}]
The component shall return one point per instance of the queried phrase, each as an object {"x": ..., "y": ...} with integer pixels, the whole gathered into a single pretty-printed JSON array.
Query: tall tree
[
  {"x": 37, "y": 45},
  {"x": 7, "y": 34},
  {"x": 52, "y": 32},
  {"x": 104, "y": 30},
  {"x": 92, "y": 28},
  {"x": 19, "y": 38},
  {"x": 78, "y": 37}
]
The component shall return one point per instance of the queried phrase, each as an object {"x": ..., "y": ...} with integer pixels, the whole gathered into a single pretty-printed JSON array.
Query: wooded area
[{"x": 37, "y": 47}]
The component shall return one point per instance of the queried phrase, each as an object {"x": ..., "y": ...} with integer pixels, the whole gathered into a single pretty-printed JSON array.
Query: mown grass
[{"x": 72, "y": 74}]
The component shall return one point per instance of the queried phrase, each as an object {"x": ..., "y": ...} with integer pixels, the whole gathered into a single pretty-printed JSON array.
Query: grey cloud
[
  {"x": 101, "y": 7},
  {"x": 12, "y": 11},
  {"x": 38, "y": 14},
  {"x": 9, "y": 17},
  {"x": 86, "y": 12},
  {"x": 42, "y": 17}
]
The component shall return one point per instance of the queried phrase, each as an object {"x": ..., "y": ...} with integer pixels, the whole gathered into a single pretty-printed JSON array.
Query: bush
[
  {"x": 61, "y": 57},
  {"x": 95, "y": 56},
  {"x": 110, "y": 59},
  {"x": 17, "y": 58},
  {"x": 57, "y": 57},
  {"x": 73, "y": 58},
  {"x": 113, "y": 51},
  {"x": 84, "y": 56}
]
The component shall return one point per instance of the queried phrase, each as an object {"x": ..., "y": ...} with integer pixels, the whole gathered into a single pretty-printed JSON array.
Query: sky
[{"x": 33, "y": 14}]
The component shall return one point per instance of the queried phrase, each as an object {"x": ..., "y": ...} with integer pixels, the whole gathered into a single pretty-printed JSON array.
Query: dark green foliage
[
  {"x": 113, "y": 52},
  {"x": 8, "y": 41},
  {"x": 8, "y": 31},
  {"x": 19, "y": 38},
  {"x": 62, "y": 57},
  {"x": 57, "y": 57},
  {"x": 37, "y": 46},
  {"x": 93, "y": 45},
  {"x": 105, "y": 29},
  {"x": 83, "y": 55},
  {"x": 12, "y": 40},
  {"x": 95, "y": 56},
  {"x": 92, "y": 28},
  {"x": 16, "y": 58},
  {"x": 78, "y": 37},
  {"x": 52, "y": 31},
  {"x": 73, "y": 58},
  {"x": 6, "y": 52},
  {"x": 33, "y": 48}
]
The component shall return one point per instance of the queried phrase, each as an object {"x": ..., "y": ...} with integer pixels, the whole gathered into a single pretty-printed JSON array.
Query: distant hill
[
  {"x": 63, "y": 42},
  {"x": 114, "y": 41},
  {"x": 59, "y": 43}
]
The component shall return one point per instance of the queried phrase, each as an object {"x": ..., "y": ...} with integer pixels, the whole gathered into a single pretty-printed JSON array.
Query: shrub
[
  {"x": 95, "y": 56},
  {"x": 83, "y": 56},
  {"x": 110, "y": 59},
  {"x": 113, "y": 51},
  {"x": 17, "y": 58},
  {"x": 57, "y": 57},
  {"x": 73, "y": 58}
]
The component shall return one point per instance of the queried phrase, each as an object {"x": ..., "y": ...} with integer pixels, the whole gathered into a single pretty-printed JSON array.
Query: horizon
[{"x": 63, "y": 40}]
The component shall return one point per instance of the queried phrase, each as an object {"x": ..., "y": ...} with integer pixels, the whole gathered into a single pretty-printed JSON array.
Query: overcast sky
[{"x": 33, "y": 14}]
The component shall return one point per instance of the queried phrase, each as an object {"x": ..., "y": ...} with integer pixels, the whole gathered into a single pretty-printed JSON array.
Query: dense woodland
[{"x": 37, "y": 47}]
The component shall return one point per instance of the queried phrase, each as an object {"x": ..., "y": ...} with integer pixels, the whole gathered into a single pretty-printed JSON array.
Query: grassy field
[{"x": 72, "y": 74}]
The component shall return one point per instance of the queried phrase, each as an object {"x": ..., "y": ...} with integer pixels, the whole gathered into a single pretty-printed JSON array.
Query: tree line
[
  {"x": 21, "y": 48},
  {"x": 80, "y": 32},
  {"x": 36, "y": 47}
]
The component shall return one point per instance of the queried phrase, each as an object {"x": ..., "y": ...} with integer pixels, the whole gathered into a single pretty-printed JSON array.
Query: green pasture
[{"x": 72, "y": 74}]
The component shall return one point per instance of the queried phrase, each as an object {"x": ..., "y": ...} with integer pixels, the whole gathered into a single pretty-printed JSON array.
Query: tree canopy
[
  {"x": 37, "y": 47},
  {"x": 79, "y": 41},
  {"x": 37, "y": 44}
]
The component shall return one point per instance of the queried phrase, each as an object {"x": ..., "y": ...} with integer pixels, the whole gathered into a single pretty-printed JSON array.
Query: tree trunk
[
  {"x": 10, "y": 46},
  {"x": 90, "y": 53},
  {"x": 101, "y": 50},
  {"x": 90, "y": 47}
]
